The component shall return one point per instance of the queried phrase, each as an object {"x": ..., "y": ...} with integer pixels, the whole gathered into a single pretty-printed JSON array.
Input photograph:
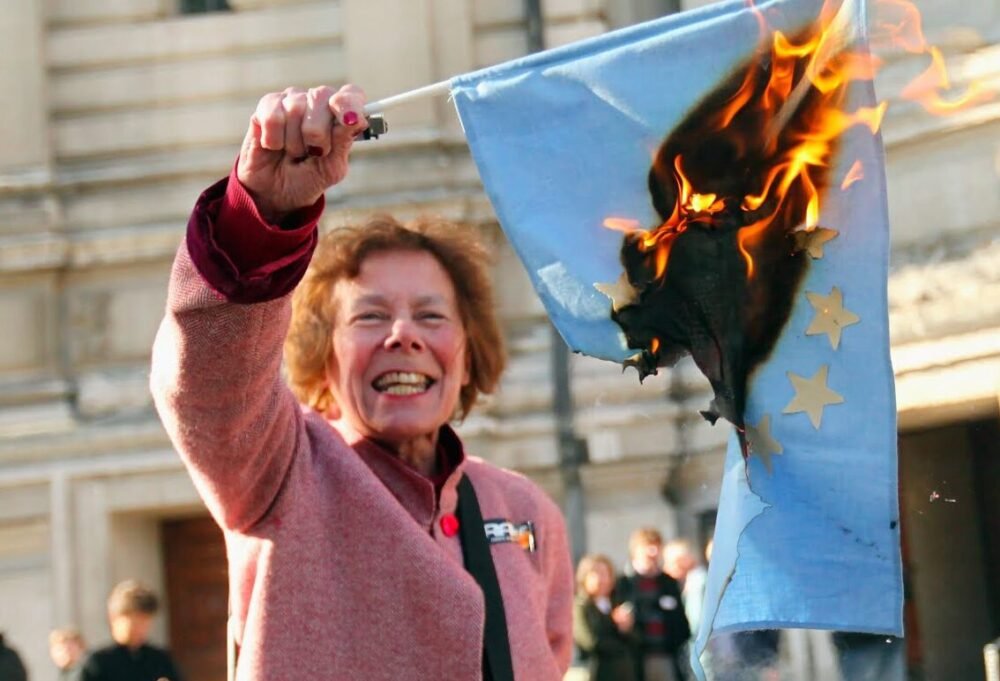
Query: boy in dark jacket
[
  {"x": 11, "y": 667},
  {"x": 660, "y": 624},
  {"x": 131, "y": 608}
]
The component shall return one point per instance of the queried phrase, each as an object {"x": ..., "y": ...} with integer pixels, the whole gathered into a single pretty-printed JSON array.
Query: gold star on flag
[
  {"x": 811, "y": 240},
  {"x": 621, "y": 292},
  {"x": 811, "y": 395},
  {"x": 762, "y": 443},
  {"x": 831, "y": 316}
]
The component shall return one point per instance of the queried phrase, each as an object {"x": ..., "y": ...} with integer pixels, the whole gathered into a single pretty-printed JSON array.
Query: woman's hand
[
  {"x": 623, "y": 618},
  {"x": 297, "y": 146}
]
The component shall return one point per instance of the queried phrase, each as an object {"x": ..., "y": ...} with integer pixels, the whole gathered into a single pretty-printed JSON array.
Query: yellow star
[
  {"x": 831, "y": 316},
  {"x": 811, "y": 240},
  {"x": 811, "y": 395},
  {"x": 762, "y": 443},
  {"x": 621, "y": 292}
]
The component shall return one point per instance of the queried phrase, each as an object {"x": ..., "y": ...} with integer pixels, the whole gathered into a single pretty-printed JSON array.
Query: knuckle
[
  {"x": 294, "y": 103},
  {"x": 270, "y": 107},
  {"x": 352, "y": 89},
  {"x": 320, "y": 93},
  {"x": 273, "y": 125},
  {"x": 270, "y": 97},
  {"x": 344, "y": 98},
  {"x": 337, "y": 101}
]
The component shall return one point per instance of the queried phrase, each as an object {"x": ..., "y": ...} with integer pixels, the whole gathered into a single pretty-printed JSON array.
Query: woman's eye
[{"x": 369, "y": 316}]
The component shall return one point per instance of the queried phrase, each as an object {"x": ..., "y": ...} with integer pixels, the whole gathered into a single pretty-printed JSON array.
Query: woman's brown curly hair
[{"x": 339, "y": 255}]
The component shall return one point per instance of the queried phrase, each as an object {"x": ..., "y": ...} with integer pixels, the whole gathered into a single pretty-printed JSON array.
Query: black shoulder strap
[{"x": 479, "y": 562}]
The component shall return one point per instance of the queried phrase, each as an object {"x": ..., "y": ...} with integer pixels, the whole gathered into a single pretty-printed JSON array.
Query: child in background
[{"x": 67, "y": 650}]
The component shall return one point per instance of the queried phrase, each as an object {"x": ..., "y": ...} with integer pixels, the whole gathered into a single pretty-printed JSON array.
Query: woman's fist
[{"x": 297, "y": 146}]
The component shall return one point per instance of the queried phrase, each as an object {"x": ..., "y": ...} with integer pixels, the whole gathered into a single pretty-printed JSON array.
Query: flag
[{"x": 587, "y": 153}]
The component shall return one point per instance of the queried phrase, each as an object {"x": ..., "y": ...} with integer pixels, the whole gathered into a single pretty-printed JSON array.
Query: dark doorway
[
  {"x": 950, "y": 501},
  {"x": 197, "y": 595}
]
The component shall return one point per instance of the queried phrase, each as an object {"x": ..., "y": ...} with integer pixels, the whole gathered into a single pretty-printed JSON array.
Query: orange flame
[
  {"x": 821, "y": 65},
  {"x": 738, "y": 101},
  {"x": 856, "y": 173},
  {"x": 929, "y": 87},
  {"x": 654, "y": 345},
  {"x": 624, "y": 225},
  {"x": 899, "y": 26},
  {"x": 829, "y": 74}
]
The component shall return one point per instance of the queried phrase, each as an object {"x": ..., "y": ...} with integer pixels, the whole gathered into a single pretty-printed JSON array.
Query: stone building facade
[{"x": 117, "y": 113}]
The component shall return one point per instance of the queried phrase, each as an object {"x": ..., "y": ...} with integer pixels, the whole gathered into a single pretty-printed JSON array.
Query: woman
[
  {"x": 346, "y": 517},
  {"x": 602, "y": 633}
]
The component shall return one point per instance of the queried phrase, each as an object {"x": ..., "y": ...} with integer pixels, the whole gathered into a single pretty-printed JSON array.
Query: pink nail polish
[{"x": 350, "y": 118}]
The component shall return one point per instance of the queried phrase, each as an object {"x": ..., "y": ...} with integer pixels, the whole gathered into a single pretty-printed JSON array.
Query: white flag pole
[
  {"x": 838, "y": 36},
  {"x": 440, "y": 88}
]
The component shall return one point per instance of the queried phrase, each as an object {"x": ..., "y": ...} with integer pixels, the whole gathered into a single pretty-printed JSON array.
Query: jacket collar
[{"x": 421, "y": 496}]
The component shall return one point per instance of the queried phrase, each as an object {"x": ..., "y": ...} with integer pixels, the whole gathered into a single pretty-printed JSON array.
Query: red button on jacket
[{"x": 449, "y": 524}]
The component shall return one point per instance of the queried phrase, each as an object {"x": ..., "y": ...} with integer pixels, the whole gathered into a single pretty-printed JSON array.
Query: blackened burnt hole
[{"x": 706, "y": 305}]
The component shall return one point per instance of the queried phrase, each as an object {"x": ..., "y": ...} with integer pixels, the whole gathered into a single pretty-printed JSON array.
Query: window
[{"x": 202, "y": 6}]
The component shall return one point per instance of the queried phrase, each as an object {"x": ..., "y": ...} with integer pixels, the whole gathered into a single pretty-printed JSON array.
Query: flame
[
  {"x": 654, "y": 345},
  {"x": 745, "y": 239},
  {"x": 738, "y": 101},
  {"x": 829, "y": 72},
  {"x": 701, "y": 203},
  {"x": 856, "y": 173},
  {"x": 929, "y": 87},
  {"x": 899, "y": 26},
  {"x": 801, "y": 105},
  {"x": 626, "y": 225},
  {"x": 662, "y": 255}
]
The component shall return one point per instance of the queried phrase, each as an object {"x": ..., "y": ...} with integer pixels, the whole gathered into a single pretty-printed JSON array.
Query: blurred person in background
[
  {"x": 660, "y": 624},
  {"x": 11, "y": 666},
  {"x": 602, "y": 632},
  {"x": 390, "y": 335},
  {"x": 131, "y": 609},
  {"x": 680, "y": 561},
  {"x": 67, "y": 650}
]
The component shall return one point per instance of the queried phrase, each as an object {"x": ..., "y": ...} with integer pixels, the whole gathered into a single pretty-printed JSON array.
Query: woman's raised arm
[{"x": 216, "y": 360}]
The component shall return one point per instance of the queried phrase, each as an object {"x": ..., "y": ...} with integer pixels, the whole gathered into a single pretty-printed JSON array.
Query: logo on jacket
[{"x": 500, "y": 531}]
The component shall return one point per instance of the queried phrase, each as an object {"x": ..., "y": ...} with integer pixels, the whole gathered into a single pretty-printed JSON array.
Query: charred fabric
[{"x": 718, "y": 277}]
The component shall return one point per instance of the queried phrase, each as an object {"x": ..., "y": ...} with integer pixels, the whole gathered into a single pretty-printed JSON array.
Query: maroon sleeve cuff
[{"x": 241, "y": 256}]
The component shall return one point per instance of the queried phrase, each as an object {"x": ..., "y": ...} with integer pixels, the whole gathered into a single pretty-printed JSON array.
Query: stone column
[
  {"x": 24, "y": 135},
  {"x": 29, "y": 247},
  {"x": 61, "y": 533}
]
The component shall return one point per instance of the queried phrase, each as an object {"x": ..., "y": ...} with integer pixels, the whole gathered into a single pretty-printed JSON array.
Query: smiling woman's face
[{"x": 399, "y": 348}]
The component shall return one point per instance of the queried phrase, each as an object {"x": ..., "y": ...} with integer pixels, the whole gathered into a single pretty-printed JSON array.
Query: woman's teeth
[
  {"x": 402, "y": 383},
  {"x": 404, "y": 389}
]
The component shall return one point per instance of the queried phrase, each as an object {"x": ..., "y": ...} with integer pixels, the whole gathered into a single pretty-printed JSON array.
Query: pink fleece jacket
[{"x": 338, "y": 564}]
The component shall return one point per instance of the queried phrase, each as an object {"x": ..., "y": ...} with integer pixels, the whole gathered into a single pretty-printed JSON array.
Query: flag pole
[
  {"x": 840, "y": 34},
  {"x": 439, "y": 88}
]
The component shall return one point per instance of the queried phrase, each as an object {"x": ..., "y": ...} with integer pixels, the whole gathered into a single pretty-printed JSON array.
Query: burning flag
[{"x": 712, "y": 184}]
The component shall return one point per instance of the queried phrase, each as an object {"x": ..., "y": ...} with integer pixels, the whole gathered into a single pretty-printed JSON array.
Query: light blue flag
[{"x": 807, "y": 533}]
